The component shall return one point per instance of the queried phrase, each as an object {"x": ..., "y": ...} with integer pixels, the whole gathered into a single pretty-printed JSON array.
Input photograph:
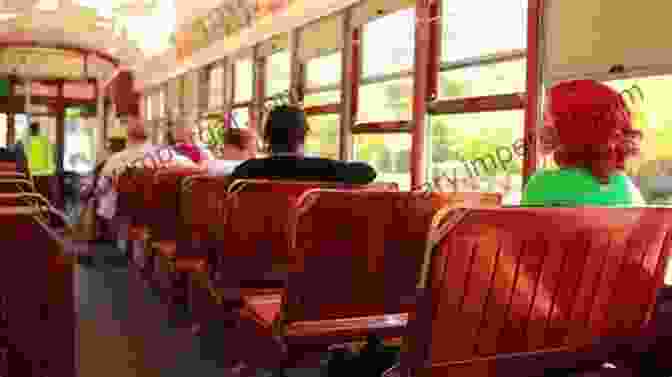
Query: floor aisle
[{"x": 126, "y": 331}]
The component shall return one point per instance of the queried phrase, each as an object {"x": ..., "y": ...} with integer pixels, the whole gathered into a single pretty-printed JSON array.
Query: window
[
  {"x": 385, "y": 101},
  {"x": 3, "y": 130},
  {"x": 241, "y": 117},
  {"x": 322, "y": 98},
  {"x": 80, "y": 145},
  {"x": 244, "y": 81},
  {"x": 481, "y": 151},
  {"x": 216, "y": 87},
  {"x": 162, "y": 103},
  {"x": 388, "y": 44},
  {"x": 463, "y": 35},
  {"x": 323, "y": 137},
  {"x": 277, "y": 73},
  {"x": 148, "y": 107},
  {"x": 484, "y": 80},
  {"x": 388, "y": 153},
  {"x": 386, "y": 89},
  {"x": 651, "y": 171},
  {"x": 324, "y": 71}
]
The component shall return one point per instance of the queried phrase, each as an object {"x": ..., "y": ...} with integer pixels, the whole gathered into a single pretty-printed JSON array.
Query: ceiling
[{"x": 124, "y": 32}]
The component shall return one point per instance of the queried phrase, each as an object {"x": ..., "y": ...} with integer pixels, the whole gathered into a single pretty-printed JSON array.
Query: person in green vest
[
  {"x": 40, "y": 153},
  {"x": 589, "y": 131}
]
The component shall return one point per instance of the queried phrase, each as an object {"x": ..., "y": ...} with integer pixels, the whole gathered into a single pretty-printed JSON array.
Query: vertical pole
[
  {"x": 420, "y": 85},
  {"x": 533, "y": 87},
  {"x": 60, "y": 129},
  {"x": 295, "y": 80},
  {"x": 349, "y": 84},
  {"x": 101, "y": 152},
  {"x": 28, "y": 89},
  {"x": 257, "y": 107},
  {"x": 228, "y": 87}
]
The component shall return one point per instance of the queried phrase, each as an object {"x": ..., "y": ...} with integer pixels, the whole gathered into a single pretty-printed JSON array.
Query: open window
[{"x": 477, "y": 123}]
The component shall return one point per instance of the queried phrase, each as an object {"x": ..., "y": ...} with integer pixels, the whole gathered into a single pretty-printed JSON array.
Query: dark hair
[
  {"x": 116, "y": 144},
  {"x": 239, "y": 137},
  {"x": 34, "y": 128},
  {"x": 286, "y": 128}
]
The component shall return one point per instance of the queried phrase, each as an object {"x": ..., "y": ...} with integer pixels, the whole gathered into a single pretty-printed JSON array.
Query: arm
[{"x": 359, "y": 173}]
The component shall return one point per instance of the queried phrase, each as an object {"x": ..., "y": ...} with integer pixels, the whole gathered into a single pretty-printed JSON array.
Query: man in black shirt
[{"x": 285, "y": 133}]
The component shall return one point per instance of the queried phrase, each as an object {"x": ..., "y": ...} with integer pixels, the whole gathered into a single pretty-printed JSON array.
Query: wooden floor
[{"x": 125, "y": 330}]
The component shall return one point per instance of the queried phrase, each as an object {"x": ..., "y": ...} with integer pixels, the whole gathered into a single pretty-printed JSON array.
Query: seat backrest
[
  {"x": 359, "y": 253},
  {"x": 138, "y": 184},
  {"x": 37, "y": 291},
  {"x": 165, "y": 219},
  {"x": 258, "y": 234},
  {"x": 512, "y": 280},
  {"x": 201, "y": 201},
  {"x": 294, "y": 187}
]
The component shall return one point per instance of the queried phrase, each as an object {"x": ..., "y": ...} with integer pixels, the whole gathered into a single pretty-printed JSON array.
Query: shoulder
[{"x": 538, "y": 185}]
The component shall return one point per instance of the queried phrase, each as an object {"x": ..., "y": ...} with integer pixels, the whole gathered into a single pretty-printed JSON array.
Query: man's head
[
  {"x": 34, "y": 129},
  {"x": 286, "y": 129}
]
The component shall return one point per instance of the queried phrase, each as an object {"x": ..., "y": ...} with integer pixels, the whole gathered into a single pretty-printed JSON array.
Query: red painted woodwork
[
  {"x": 532, "y": 86},
  {"x": 37, "y": 299},
  {"x": 513, "y": 280}
]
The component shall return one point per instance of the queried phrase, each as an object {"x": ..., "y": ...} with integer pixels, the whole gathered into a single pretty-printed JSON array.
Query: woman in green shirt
[{"x": 589, "y": 132}]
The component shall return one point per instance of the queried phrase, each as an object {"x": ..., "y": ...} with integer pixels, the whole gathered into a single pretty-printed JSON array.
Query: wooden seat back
[
  {"x": 14, "y": 185},
  {"x": 166, "y": 219},
  {"x": 36, "y": 293},
  {"x": 201, "y": 201},
  {"x": 359, "y": 253},
  {"x": 514, "y": 280},
  {"x": 258, "y": 234},
  {"x": 292, "y": 187}
]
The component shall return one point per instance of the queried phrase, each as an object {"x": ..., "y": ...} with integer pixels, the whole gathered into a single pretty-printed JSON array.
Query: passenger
[
  {"x": 590, "y": 134},
  {"x": 182, "y": 138},
  {"x": 240, "y": 145},
  {"x": 138, "y": 150},
  {"x": 285, "y": 133},
  {"x": 41, "y": 156}
]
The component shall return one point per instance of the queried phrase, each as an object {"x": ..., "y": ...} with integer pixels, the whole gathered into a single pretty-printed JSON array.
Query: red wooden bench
[
  {"x": 514, "y": 291},
  {"x": 203, "y": 210},
  {"x": 356, "y": 260},
  {"x": 165, "y": 225},
  {"x": 36, "y": 296}
]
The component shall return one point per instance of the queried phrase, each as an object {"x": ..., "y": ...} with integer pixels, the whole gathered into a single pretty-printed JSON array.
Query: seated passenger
[
  {"x": 182, "y": 139},
  {"x": 139, "y": 150},
  {"x": 239, "y": 146},
  {"x": 589, "y": 132},
  {"x": 285, "y": 134}
]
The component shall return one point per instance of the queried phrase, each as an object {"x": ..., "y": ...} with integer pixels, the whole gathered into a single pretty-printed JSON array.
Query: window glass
[
  {"x": 388, "y": 44},
  {"x": 386, "y": 101},
  {"x": 244, "y": 82},
  {"x": 323, "y": 137},
  {"x": 80, "y": 145},
  {"x": 148, "y": 107},
  {"x": 216, "y": 87},
  {"x": 652, "y": 170},
  {"x": 241, "y": 117},
  {"x": 483, "y": 80},
  {"x": 162, "y": 103},
  {"x": 277, "y": 73},
  {"x": 388, "y": 153},
  {"x": 322, "y": 98},
  {"x": 482, "y": 151},
  {"x": 323, "y": 71},
  {"x": 463, "y": 35},
  {"x": 3, "y": 130}
]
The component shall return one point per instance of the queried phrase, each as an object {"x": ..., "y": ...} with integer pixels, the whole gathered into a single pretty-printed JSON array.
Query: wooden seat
[
  {"x": 357, "y": 259},
  {"x": 548, "y": 282},
  {"x": 36, "y": 290},
  {"x": 292, "y": 186}
]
